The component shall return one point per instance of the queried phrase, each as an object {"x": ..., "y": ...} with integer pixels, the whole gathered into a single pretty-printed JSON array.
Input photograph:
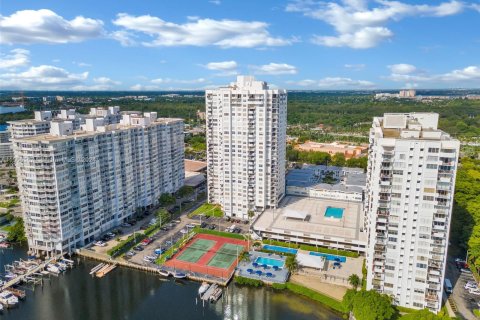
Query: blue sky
[{"x": 300, "y": 44}]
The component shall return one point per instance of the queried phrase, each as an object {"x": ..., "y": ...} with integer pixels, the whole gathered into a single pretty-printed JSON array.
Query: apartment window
[
  {"x": 431, "y": 166},
  {"x": 433, "y": 150}
]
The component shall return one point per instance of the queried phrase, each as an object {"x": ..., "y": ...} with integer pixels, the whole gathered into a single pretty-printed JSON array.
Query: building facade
[
  {"x": 246, "y": 145},
  {"x": 76, "y": 184},
  {"x": 410, "y": 186}
]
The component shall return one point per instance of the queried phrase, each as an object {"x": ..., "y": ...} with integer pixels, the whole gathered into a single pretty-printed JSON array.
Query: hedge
[
  {"x": 307, "y": 247},
  {"x": 220, "y": 233},
  {"x": 286, "y": 254},
  {"x": 279, "y": 286},
  {"x": 125, "y": 245},
  {"x": 248, "y": 282}
]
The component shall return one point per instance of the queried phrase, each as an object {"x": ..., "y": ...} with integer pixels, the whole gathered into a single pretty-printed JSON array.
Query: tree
[
  {"x": 17, "y": 232},
  {"x": 162, "y": 216},
  {"x": 292, "y": 264},
  {"x": 166, "y": 199},
  {"x": 338, "y": 160},
  {"x": 185, "y": 191},
  {"x": 425, "y": 314},
  {"x": 369, "y": 305},
  {"x": 251, "y": 213},
  {"x": 354, "y": 281}
]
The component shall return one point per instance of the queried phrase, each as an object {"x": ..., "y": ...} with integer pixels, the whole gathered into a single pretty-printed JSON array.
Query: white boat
[
  {"x": 10, "y": 276},
  {"x": 1, "y": 307},
  {"x": 53, "y": 268},
  {"x": 8, "y": 299},
  {"x": 204, "y": 287},
  {"x": 2, "y": 283},
  {"x": 164, "y": 273},
  {"x": 179, "y": 275}
]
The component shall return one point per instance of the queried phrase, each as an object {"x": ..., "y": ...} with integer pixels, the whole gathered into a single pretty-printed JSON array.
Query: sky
[{"x": 199, "y": 44}]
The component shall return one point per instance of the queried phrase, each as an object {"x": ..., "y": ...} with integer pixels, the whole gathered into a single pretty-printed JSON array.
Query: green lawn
[{"x": 207, "y": 209}]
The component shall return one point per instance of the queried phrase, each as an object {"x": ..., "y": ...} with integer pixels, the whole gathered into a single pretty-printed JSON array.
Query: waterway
[
  {"x": 4, "y": 109},
  {"x": 131, "y": 294}
]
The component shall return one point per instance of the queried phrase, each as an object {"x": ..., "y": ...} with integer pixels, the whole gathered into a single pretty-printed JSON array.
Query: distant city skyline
[{"x": 299, "y": 44}]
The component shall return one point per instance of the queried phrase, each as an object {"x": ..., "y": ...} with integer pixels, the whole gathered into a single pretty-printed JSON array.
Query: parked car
[
  {"x": 130, "y": 253},
  {"x": 212, "y": 227},
  {"x": 203, "y": 225},
  {"x": 126, "y": 225},
  {"x": 465, "y": 270},
  {"x": 190, "y": 225},
  {"x": 138, "y": 248},
  {"x": 100, "y": 244},
  {"x": 474, "y": 291},
  {"x": 469, "y": 285},
  {"x": 146, "y": 242}
]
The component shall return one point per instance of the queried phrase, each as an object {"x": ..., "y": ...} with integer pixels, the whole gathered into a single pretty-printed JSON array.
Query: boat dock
[
  {"x": 157, "y": 270},
  {"x": 209, "y": 292},
  {"x": 28, "y": 275}
]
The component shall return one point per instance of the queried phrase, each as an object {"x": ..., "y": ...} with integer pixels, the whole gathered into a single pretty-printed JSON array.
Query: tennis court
[
  {"x": 209, "y": 254},
  {"x": 225, "y": 256},
  {"x": 196, "y": 250}
]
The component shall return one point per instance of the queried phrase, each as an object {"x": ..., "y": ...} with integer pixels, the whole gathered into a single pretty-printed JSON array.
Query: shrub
[
  {"x": 279, "y": 286},
  {"x": 307, "y": 247},
  {"x": 126, "y": 245},
  {"x": 220, "y": 233},
  {"x": 248, "y": 282}
]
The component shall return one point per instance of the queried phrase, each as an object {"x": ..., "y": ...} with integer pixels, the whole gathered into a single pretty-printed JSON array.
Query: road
[{"x": 464, "y": 301}]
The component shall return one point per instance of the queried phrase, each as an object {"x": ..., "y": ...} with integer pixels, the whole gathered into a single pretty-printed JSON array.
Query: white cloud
[
  {"x": 402, "y": 68},
  {"x": 334, "y": 83},
  {"x": 42, "y": 77},
  {"x": 141, "y": 87},
  {"x": 476, "y": 6},
  {"x": 202, "y": 32},
  {"x": 222, "y": 66},
  {"x": 275, "y": 69},
  {"x": 412, "y": 76},
  {"x": 168, "y": 80},
  {"x": 105, "y": 81},
  {"x": 82, "y": 64},
  {"x": 16, "y": 58},
  {"x": 45, "y": 26},
  {"x": 215, "y": 2},
  {"x": 360, "y": 26},
  {"x": 355, "y": 67}
]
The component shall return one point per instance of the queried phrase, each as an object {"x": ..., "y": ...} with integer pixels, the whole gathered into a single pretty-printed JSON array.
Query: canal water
[{"x": 131, "y": 294}]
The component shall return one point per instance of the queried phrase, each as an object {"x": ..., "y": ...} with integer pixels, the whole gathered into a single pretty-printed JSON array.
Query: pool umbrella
[
  {"x": 275, "y": 268},
  {"x": 255, "y": 264},
  {"x": 337, "y": 259},
  {"x": 264, "y": 266},
  {"x": 269, "y": 274},
  {"x": 259, "y": 272},
  {"x": 249, "y": 270},
  {"x": 337, "y": 264}
]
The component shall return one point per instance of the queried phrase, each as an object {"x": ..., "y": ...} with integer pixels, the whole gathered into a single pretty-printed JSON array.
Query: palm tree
[
  {"x": 292, "y": 264},
  {"x": 354, "y": 281}
]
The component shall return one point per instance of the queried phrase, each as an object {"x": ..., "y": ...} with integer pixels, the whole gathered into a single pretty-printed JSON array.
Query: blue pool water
[
  {"x": 329, "y": 257},
  {"x": 280, "y": 249},
  {"x": 332, "y": 212},
  {"x": 270, "y": 262}
]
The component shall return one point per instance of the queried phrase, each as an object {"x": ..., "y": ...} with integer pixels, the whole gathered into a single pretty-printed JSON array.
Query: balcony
[{"x": 431, "y": 297}]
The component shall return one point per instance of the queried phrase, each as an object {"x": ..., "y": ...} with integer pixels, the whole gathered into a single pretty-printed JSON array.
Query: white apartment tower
[
  {"x": 246, "y": 142},
  {"x": 410, "y": 185},
  {"x": 76, "y": 184}
]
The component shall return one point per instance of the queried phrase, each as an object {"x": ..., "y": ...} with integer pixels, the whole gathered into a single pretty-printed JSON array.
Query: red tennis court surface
[{"x": 208, "y": 254}]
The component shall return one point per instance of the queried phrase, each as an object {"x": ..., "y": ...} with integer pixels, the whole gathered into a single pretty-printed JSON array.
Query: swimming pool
[
  {"x": 280, "y": 249},
  {"x": 333, "y": 212},
  {"x": 270, "y": 262},
  {"x": 329, "y": 257}
]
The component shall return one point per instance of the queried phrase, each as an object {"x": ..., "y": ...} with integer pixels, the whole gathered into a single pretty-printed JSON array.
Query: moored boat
[
  {"x": 8, "y": 299},
  {"x": 164, "y": 273},
  {"x": 179, "y": 275},
  {"x": 204, "y": 287},
  {"x": 216, "y": 295}
]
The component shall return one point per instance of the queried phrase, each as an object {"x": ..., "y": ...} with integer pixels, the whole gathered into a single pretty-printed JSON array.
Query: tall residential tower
[
  {"x": 410, "y": 185},
  {"x": 246, "y": 141},
  {"x": 76, "y": 184}
]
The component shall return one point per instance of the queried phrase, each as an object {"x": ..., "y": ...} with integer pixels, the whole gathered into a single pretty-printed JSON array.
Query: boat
[
  {"x": 10, "y": 276},
  {"x": 16, "y": 292},
  {"x": 216, "y": 295},
  {"x": 53, "y": 269},
  {"x": 1, "y": 307},
  {"x": 179, "y": 275},
  {"x": 8, "y": 299},
  {"x": 164, "y": 273},
  {"x": 209, "y": 292},
  {"x": 204, "y": 287},
  {"x": 4, "y": 245}
]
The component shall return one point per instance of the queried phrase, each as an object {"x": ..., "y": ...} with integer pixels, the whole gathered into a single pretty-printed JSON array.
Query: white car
[
  {"x": 100, "y": 244},
  {"x": 469, "y": 286},
  {"x": 474, "y": 291},
  {"x": 463, "y": 270},
  {"x": 126, "y": 225}
]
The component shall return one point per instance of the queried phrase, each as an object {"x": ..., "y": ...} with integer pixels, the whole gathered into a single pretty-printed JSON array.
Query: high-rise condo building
[
  {"x": 410, "y": 185},
  {"x": 246, "y": 141},
  {"x": 76, "y": 184}
]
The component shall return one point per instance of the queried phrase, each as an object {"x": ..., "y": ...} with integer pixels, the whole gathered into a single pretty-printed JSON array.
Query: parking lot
[{"x": 464, "y": 301}]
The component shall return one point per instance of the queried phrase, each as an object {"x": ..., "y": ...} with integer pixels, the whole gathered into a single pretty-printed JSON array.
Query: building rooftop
[
  {"x": 194, "y": 179},
  {"x": 346, "y": 228},
  {"x": 194, "y": 165}
]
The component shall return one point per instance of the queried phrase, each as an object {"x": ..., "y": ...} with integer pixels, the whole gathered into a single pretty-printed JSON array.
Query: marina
[{"x": 138, "y": 295}]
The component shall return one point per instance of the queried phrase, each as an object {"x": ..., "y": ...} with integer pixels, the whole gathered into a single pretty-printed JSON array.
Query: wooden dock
[{"x": 30, "y": 272}]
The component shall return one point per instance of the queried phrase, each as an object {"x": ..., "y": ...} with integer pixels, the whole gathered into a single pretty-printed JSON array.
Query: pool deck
[
  {"x": 280, "y": 276},
  {"x": 331, "y": 232}
]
